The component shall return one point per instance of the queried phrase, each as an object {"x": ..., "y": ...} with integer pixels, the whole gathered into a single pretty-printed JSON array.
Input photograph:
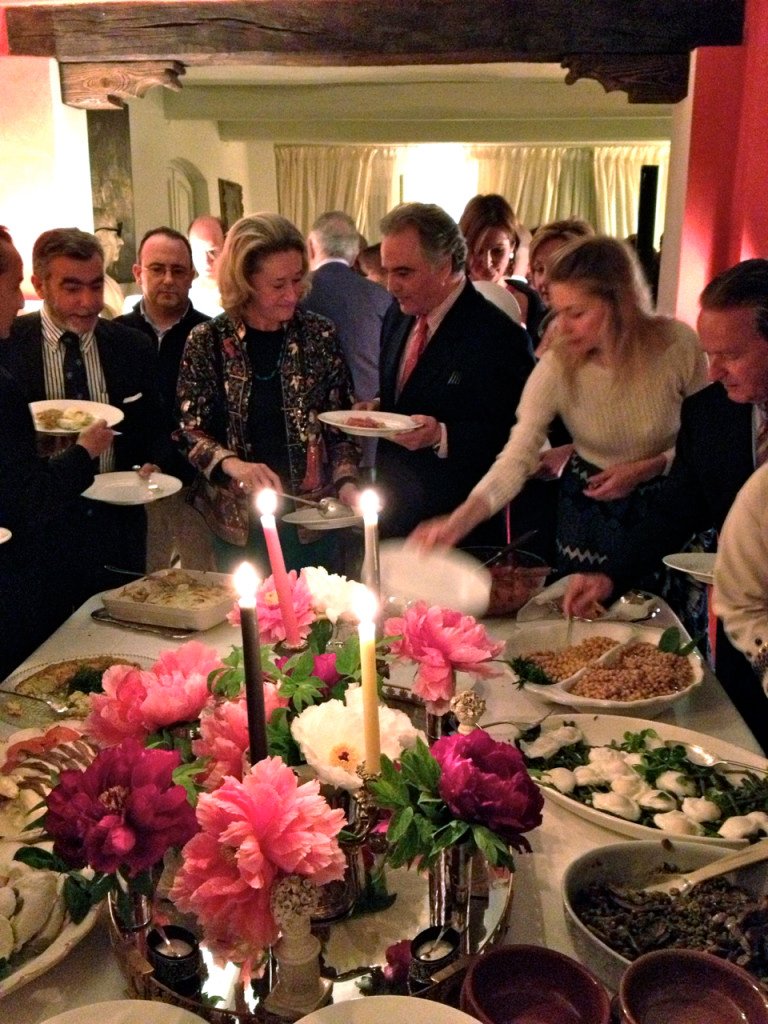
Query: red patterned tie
[
  {"x": 761, "y": 441},
  {"x": 413, "y": 349}
]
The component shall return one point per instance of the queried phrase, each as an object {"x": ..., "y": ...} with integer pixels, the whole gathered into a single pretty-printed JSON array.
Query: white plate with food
[
  {"x": 35, "y": 930},
  {"x": 313, "y": 519},
  {"x": 444, "y": 576},
  {"x": 30, "y": 761},
  {"x": 368, "y": 424},
  {"x": 393, "y": 1009},
  {"x": 613, "y": 667},
  {"x": 126, "y": 1011},
  {"x": 177, "y": 598},
  {"x": 699, "y": 565},
  {"x": 5, "y": 534},
  {"x": 70, "y": 416},
  {"x": 128, "y": 488},
  {"x": 65, "y": 684},
  {"x": 572, "y": 748}
]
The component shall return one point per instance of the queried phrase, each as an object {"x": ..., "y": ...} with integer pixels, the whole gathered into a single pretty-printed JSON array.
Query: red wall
[{"x": 726, "y": 208}]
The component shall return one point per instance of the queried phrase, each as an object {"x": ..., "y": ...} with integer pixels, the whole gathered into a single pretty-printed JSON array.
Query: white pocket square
[{"x": 133, "y": 398}]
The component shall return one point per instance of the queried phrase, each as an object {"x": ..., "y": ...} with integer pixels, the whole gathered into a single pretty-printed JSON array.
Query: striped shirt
[{"x": 53, "y": 372}]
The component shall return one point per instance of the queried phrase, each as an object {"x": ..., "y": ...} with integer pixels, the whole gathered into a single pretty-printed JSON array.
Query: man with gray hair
[
  {"x": 357, "y": 306},
  {"x": 452, "y": 361}
]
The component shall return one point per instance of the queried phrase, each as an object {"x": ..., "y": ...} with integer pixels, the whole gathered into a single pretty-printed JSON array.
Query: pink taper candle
[
  {"x": 266, "y": 502},
  {"x": 246, "y": 584}
]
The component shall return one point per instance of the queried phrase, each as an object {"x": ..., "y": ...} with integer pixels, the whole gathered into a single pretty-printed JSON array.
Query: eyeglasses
[{"x": 161, "y": 270}]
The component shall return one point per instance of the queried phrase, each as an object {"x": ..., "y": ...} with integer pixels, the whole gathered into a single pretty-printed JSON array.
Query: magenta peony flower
[
  {"x": 252, "y": 833},
  {"x": 324, "y": 668},
  {"x": 224, "y": 735},
  {"x": 122, "y": 812},
  {"x": 398, "y": 957},
  {"x": 271, "y": 628},
  {"x": 136, "y": 703},
  {"x": 485, "y": 782},
  {"x": 443, "y": 642}
]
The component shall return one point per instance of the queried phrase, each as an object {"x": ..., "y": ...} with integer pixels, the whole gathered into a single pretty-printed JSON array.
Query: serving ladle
[
  {"x": 686, "y": 880},
  {"x": 704, "y": 758},
  {"x": 330, "y": 508}
]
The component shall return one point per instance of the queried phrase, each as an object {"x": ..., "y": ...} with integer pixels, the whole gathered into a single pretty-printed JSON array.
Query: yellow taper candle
[{"x": 366, "y": 613}]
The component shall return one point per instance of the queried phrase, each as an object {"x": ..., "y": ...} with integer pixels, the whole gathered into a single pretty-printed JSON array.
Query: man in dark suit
[
  {"x": 715, "y": 453},
  {"x": 32, "y": 489},
  {"x": 164, "y": 313},
  {"x": 452, "y": 361},
  {"x": 356, "y": 305},
  {"x": 66, "y": 351}
]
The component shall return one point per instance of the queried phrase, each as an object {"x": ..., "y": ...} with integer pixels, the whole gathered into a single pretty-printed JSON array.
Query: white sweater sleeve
[
  {"x": 519, "y": 458},
  {"x": 741, "y": 573}
]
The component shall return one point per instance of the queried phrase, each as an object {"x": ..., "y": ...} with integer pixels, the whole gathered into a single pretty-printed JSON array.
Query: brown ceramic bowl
[
  {"x": 532, "y": 985},
  {"x": 684, "y": 986}
]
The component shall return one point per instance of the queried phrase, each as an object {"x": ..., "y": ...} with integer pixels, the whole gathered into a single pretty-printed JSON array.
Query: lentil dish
[
  {"x": 639, "y": 671},
  {"x": 560, "y": 665}
]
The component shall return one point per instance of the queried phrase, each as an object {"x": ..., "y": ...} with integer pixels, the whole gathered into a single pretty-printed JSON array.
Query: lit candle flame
[
  {"x": 266, "y": 502},
  {"x": 366, "y": 605},
  {"x": 370, "y": 506},
  {"x": 246, "y": 583}
]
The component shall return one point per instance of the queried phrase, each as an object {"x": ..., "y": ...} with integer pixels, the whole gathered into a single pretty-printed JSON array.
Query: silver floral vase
[
  {"x": 131, "y": 911},
  {"x": 450, "y": 889}
]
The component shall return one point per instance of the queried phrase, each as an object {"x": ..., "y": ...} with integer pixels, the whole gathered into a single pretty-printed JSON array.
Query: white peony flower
[
  {"x": 330, "y": 736},
  {"x": 332, "y": 596}
]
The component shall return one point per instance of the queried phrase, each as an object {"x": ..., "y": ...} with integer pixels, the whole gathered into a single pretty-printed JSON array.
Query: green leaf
[
  {"x": 319, "y": 635},
  {"x": 348, "y": 657},
  {"x": 80, "y": 894},
  {"x": 400, "y": 823},
  {"x": 670, "y": 640},
  {"x": 35, "y": 857}
]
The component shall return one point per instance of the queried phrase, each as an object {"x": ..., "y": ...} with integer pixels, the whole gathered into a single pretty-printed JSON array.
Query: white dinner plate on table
[
  {"x": 376, "y": 1009},
  {"x": 126, "y": 1011},
  {"x": 387, "y": 423},
  {"x": 313, "y": 519},
  {"x": 601, "y": 730},
  {"x": 128, "y": 488},
  {"x": 444, "y": 576},
  {"x": 699, "y": 565},
  {"x": 98, "y": 410},
  {"x": 5, "y": 534}
]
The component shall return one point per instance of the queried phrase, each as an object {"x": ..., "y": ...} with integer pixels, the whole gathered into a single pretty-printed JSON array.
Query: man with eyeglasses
[{"x": 164, "y": 272}]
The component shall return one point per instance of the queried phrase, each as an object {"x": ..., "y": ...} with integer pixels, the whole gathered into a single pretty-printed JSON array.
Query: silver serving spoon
[
  {"x": 331, "y": 508},
  {"x": 698, "y": 755},
  {"x": 683, "y": 882},
  {"x": 24, "y": 710}
]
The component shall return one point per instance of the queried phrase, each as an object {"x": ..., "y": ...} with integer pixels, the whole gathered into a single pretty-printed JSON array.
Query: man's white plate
[
  {"x": 126, "y": 1011},
  {"x": 128, "y": 488},
  {"x": 374, "y": 1010},
  {"x": 553, "y": 636},
  {"x": 700, "y": 565},
  {"x": 5, "y": 534},
  {"x": 391, "y": 422},
  {"x": 98, "y": 410},
  {"x": 599, "y": 730},
  {"x": 66, "y": 940},
  {"x": 445, "y": 576},
  {"x": 312, "y": 519}
]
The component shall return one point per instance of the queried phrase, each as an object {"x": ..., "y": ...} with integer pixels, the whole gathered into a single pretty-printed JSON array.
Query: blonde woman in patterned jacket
[{"x": 251, "y": 384}]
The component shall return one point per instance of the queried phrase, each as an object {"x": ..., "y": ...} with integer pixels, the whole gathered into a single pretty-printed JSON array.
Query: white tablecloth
[{"x": 90, "y": 974}]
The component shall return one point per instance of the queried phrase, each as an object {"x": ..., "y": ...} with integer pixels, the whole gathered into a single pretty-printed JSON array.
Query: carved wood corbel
[
  {"x": 645, "y": 78},
  {"x": 106, "y": 86}
]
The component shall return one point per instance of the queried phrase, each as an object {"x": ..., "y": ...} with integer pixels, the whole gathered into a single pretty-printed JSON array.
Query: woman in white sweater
[
  {"x": 617, "y": 375},
  {"x": 741, "y": 573}
]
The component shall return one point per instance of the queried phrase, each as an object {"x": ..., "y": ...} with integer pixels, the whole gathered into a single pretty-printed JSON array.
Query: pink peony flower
[
  {"x": 443, "y": 642},
  {"x": 271, "y": 628},
  {"x": 122, "y": 813},
  {"x": 138, "y": 703},
  {"x": 324, "y": 668},
  {"x": 224, "y": 735},
  {"x": 485, "y": 782},
  {"x": 253, "y": 833}
]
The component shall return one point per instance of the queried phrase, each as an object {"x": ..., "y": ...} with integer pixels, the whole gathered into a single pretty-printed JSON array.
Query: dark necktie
[{"x": 75, "y": 377}]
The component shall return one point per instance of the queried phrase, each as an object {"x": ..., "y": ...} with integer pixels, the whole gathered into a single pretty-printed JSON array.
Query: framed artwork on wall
[
  {"x": 109, "y": 144},
  {"x": 230, "y": 202}
]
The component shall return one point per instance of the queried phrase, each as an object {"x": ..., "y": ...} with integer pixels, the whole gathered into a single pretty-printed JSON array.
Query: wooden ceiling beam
[{"x": 640, "y": 46}]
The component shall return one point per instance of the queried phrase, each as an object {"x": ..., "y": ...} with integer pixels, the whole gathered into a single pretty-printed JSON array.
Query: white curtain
[
  {"x": 360, "y": 180},
  {"x": 543, "y": 183}
]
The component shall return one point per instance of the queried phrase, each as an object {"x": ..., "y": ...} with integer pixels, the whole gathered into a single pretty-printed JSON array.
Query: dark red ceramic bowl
[
  {"x": 685, "y": 986},
  {"x": 533, "y": 985}
]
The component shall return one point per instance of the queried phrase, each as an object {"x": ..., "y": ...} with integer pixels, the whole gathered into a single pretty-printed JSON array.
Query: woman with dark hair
[
  {"x": 251, "y": 383},
  {"x": 492, "y": 234},
  {"x": 616, "y": 375}
]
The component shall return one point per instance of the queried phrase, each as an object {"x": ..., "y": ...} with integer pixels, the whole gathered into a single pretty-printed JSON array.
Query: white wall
[{"x": 155, "y": 141}]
